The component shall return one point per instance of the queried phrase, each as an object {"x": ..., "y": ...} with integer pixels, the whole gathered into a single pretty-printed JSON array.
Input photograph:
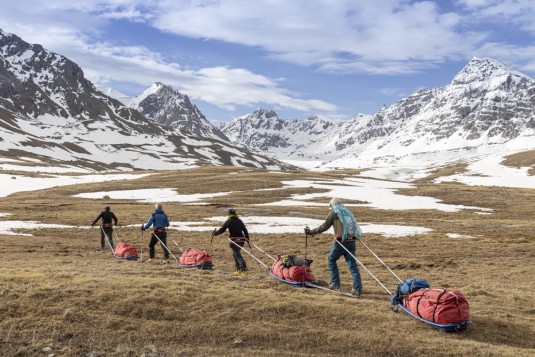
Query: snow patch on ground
[
  {"x": 488, "y": 171},
  {"x": 16, "y": 183},
  {"x": 151, "y": 195},
  {"x": 279, "y": 225},
  {"x": 7, "y": 227}
]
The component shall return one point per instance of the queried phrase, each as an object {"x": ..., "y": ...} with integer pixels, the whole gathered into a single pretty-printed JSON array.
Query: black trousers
[
  {"x": 106, "y": 233},
  {"x": 154, "y": 240},
  {"x": 239, "y": 263}
]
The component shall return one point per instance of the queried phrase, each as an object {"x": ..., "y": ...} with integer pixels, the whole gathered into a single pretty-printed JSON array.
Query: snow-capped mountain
[
  {"x": 487, "y": 107},
  {"x": 51, "y": 114},
  {"x": 169, "y": 107},
  {"x": 264, "y": 130}
]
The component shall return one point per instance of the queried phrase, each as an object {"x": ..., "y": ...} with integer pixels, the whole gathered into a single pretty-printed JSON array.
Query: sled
[
  {"x": 445, "y": 310},
  {"x": 125, "y": 251},
  {"x": 453, "y": 327},
  {"x": 195, "y": 258},
  {"x": 289, "y": 282}
]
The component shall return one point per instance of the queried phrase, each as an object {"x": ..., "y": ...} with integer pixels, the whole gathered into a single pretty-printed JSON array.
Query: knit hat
[{"x": 231, "y": 211}]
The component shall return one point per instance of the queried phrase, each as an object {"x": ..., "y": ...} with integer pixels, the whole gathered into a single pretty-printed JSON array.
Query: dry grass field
[{"x": 60, "y": 297}]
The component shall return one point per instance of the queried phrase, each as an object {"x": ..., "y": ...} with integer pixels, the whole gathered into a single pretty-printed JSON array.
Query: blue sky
[{"x": 332, "y": 58}]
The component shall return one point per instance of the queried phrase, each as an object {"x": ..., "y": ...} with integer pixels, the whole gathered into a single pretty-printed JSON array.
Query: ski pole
[
  {"x": 141, "y": 246},
  {"x": 382, "y": 262},
  {"x": 251, "y": 254},
  {"x": 307, "y": 229},
  {"x": 209, "y": 245},
  {"x": 369, "y": 272}
]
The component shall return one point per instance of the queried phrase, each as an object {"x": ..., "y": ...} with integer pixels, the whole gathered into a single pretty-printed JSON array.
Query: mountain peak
[
  {"x": 483, "y": 69},
  {"x": 261, "y": 113}
]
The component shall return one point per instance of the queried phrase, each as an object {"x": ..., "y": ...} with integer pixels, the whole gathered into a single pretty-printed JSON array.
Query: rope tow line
[
  {"x": 369, "y": 272},
  {"x": 246, "y": 251}
]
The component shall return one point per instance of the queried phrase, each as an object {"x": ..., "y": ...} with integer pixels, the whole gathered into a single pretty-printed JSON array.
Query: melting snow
[{"x": 151, "y": 195}]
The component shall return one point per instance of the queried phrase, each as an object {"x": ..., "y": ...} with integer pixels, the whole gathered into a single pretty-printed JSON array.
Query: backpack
[
  {"x": 411, "y": 285},
  {"x": 293, "y": 260},
  {"x": 407, "y": 287}
]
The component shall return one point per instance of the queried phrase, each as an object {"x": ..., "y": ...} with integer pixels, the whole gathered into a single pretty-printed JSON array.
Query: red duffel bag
[
  {"x": 292, "y": 274},
  {"x": 297, "y": 273},
  {"x": 125, "y": 250},
  {"x": 440, "y": 306},
  {"x": 195, "y": 257}
]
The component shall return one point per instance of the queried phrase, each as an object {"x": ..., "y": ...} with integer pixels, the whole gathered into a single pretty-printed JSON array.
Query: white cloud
[{"x": 344, "y": 36}]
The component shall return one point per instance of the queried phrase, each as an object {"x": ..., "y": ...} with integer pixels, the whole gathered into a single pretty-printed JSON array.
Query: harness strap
[
  {"x": 238, "y": 239},
  {"x": 438, "y": 301},
  {"x": 348, "y": 239},
  {"x": 418, "y": 304}
]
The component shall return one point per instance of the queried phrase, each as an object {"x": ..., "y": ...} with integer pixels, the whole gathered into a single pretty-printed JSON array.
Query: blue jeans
[{"x": 336, "y": 252}]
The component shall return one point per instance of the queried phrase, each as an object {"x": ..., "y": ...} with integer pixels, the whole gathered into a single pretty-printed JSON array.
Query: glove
[
  {"x": 213, "y": 233},
  {"x": 308, "y": 232},
  {"x": 142, "y": 227}
]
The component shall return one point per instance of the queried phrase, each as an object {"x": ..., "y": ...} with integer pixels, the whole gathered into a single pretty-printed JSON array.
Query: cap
[{"x": 231, "y": 211}]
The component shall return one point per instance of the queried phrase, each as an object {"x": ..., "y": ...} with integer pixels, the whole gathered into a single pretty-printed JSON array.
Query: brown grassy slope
[{"x": 57, "y": 292}]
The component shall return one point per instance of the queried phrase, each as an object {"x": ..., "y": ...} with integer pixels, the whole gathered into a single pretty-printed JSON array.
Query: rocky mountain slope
[
  {"x": 486, "y": 107},
  {"x": 169, "y": 107},
  {"x": 51, "y": 114}
]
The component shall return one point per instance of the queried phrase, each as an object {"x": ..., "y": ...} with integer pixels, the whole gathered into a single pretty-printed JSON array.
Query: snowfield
[{"x": 374, "y": 187}]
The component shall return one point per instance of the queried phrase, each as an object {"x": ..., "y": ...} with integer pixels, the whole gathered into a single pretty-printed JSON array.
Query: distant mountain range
[
  {"x": 50, "y": 113},
  {"x": 487, "y": 107}
]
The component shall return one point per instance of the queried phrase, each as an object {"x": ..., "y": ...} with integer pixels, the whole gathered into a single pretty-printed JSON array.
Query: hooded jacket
[{"x": 158, "y": 219}]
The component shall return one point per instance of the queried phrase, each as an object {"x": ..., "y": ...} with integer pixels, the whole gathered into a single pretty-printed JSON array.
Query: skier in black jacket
[
  {"x": 107, "y": 227},
  {"x": 237, "y": 234}
]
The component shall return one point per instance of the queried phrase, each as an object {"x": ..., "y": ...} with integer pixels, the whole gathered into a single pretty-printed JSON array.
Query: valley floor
[{"x": 60, "y": 297}]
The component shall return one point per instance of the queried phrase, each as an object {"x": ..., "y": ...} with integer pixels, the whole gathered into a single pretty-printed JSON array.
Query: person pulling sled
[
  {"x": 106, "y": 229},
  {"x": 160, "y": 222},
  {"x": 346, "y": 231},
  {"x": 238, "y": 235}
]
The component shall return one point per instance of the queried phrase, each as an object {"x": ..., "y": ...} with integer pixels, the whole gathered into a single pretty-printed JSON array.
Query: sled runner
[
  {"x": 445, "y": 310},
  {"x": 195, "y": 258}
]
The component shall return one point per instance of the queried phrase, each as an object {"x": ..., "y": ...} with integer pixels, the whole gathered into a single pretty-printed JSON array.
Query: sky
[{"x": 331, "y": 58}]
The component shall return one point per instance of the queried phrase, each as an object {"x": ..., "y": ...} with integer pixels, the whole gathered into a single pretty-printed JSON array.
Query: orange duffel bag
[
  {"x": 195, "y": 258},
  {"x": 125, "y": 251},
  {"x": 440, "y": 306}
]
